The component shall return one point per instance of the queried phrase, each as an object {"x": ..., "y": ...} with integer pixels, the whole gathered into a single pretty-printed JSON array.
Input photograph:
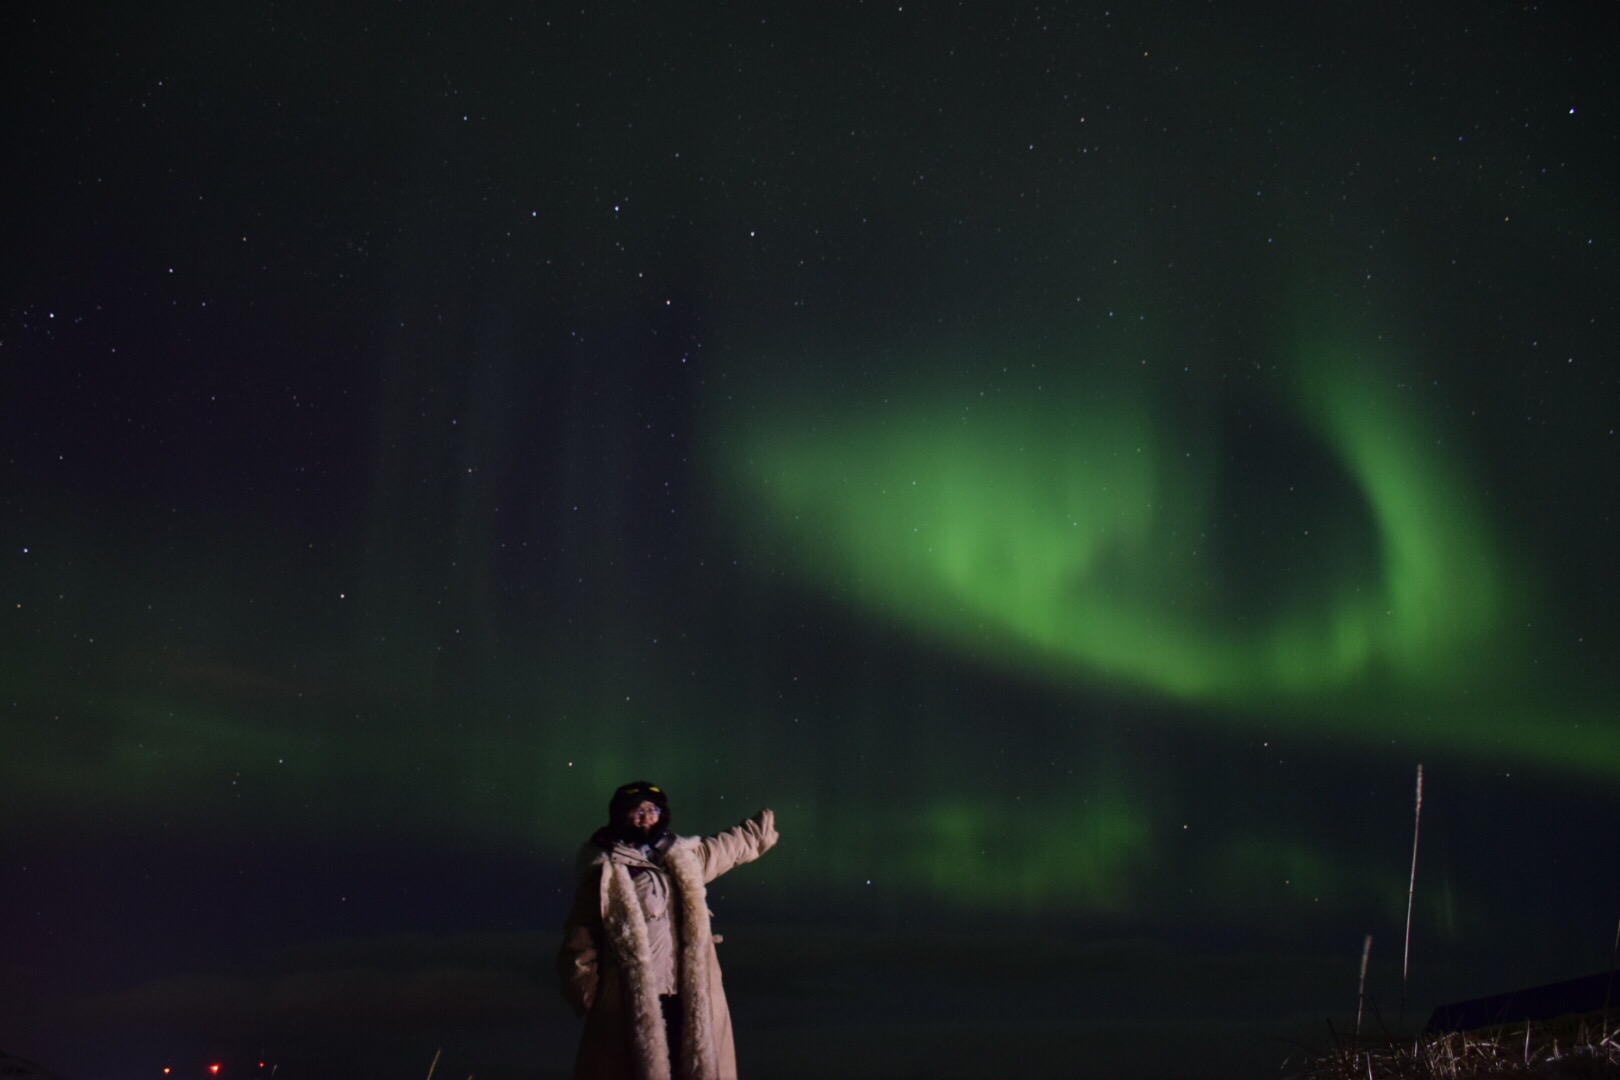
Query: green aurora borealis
[
  {"x": 1073, "y": 523},
  {"x": 1092, "y": 531}
]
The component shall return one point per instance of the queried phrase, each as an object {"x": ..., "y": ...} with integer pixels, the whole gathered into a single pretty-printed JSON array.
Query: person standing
[{"x": 638, "y": 959}]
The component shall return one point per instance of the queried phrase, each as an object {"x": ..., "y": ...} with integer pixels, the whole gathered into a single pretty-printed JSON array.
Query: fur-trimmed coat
[{"x": 606, "y": 961}]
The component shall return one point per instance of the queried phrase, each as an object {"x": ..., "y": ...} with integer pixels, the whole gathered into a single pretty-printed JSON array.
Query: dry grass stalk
[
  {"x": 1608, "y": 988},
  {"x": 1361, "y": 994},
  {"x": 1565, "y": 1051}
]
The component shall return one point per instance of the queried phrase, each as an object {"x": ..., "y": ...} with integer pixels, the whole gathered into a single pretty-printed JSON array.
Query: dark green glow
[
  {"x": 1271, "y": 874},
  {"x": 959, "y": 850},
  {"x": 1101, "y": 837}
]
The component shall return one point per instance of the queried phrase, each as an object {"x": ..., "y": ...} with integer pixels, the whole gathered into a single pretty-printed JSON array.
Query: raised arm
[{"x": 737, "y": 845}]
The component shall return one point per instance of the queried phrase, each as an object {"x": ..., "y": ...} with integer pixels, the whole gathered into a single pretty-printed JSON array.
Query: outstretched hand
[{"x": 766, "y": 820}]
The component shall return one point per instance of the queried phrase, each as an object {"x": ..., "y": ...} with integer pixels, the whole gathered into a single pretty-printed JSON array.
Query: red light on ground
[{"x": 213, "y": 1070}]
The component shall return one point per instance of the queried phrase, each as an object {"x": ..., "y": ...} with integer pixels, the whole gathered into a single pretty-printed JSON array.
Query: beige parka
[{"x": 606, "y": 963}]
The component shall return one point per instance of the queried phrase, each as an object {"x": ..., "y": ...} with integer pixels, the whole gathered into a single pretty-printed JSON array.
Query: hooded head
[{"x": 630, "y": 817}]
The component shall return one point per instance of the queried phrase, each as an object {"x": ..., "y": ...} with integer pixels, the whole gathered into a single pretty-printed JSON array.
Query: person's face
[{"x": 643, "y": 817}]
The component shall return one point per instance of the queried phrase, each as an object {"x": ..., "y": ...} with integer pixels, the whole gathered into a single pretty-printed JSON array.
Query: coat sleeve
[
  {"x": 579, "y": 959},
  {"x": 740, "y": 844}
]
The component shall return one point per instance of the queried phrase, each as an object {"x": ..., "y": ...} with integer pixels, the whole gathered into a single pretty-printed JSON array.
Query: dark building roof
[{"x": 1587, "y": 994}]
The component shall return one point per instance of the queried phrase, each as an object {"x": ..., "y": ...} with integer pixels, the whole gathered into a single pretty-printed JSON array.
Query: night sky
[{"x": 1073, "y": 462}]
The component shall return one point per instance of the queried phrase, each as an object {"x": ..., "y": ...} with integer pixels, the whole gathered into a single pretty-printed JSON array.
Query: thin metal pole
[{"x": 1411, "y": 887}]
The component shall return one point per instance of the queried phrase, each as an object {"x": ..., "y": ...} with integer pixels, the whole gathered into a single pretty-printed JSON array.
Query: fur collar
[{"x": 626, "y": 928}]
